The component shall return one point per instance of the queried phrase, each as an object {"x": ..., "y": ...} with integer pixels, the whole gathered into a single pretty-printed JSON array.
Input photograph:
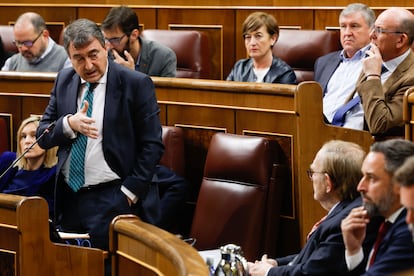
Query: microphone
[{"x": 47, "y": 130}]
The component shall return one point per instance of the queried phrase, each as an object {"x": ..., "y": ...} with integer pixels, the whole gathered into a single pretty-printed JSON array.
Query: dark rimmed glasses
[
  {"x": 115, "y": 41},
  {"x": 27, "y": 43}
]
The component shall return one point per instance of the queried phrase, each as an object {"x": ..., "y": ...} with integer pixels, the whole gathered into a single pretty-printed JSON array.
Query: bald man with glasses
[{"x": 37, "y": 50}]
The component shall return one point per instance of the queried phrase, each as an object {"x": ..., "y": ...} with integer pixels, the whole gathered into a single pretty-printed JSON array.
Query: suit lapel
[
  {"x": 399, "y": 71},
  {"x": 72, "y": 89}
]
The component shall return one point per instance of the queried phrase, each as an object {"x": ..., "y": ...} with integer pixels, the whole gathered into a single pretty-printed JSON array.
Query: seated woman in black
[
  {"x": 260, "y": 33},
  {"x": 34, "y": 174}
]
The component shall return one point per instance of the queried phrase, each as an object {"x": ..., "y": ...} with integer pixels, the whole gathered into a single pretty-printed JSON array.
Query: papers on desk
[
  {"x": 70, "y": 236},
  {"x": 213, "y": 254}
]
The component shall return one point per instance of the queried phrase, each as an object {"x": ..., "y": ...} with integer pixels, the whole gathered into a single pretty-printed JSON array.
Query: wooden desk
[
  {"x": 25, "y": 246},
  {"x": 290, "y": 114},
  {"x": 139, "y": 248}
]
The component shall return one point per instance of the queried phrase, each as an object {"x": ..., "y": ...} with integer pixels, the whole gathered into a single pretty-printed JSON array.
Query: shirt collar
[
  {"x": 392, "y": 64},
  {"x": 395, "y": 215},
  {"x": 360, "y": 54}
]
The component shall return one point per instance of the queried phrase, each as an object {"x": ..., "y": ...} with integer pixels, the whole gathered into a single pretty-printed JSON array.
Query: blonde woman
[{"x": 34, "y": 173}]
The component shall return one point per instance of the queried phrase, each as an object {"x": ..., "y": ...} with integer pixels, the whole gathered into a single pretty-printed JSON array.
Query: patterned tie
[
  {"x": 385, "y": 226},
  {"x": 77, "y": 161}
]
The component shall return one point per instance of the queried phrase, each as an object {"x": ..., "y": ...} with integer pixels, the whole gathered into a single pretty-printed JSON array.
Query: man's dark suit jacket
[
  {"x": 324, "y": 252},
  {"x": 324, "y": 68},
  {"x": 132, "y": 143},
  {"x": 396, "y": 252}
]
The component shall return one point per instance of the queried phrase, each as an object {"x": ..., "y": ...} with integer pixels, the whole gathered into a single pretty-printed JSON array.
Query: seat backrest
[
  {"x": 190, "y": 47},
  {"x": 4, "y": 137},
  {"x": 233, "y": 201},
  {"x": 173, "y": 157},
  {"x": 301, "y": 48},
  {"x": 7, "y": 37},
  {"x": 6, "y": 143}
]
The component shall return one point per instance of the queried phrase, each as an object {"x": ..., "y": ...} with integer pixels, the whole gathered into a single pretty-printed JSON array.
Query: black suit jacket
[
  {"x": 132, "y": 143},
  {"x": 396, "y": 252},
  {"x": 324, "y": 252}
]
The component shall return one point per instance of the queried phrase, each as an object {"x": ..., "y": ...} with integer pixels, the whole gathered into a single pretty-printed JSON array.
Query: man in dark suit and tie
[
  {"x": 123, "y": 138},
  {"x": 335, "y": 173},
  {"x": 394, "y": 249}
]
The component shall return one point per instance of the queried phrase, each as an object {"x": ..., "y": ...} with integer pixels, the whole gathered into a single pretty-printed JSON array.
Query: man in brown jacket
[{"x": 388, "y": 71}]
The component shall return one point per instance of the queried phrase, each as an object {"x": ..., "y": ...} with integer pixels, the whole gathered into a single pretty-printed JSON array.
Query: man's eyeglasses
[
  {"x": 379, "y": 30},
  {"x": 115, "y": 41},
  {"x": 27, "y": 43},
  {"x": 311, "y": 172}
]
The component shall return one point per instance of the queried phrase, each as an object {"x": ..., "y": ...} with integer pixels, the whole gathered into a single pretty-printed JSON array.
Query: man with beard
[
  {"x": 394, "y": 250},
  {"x": 37, "y": 50},
  {"x": 122, "y": 35}
]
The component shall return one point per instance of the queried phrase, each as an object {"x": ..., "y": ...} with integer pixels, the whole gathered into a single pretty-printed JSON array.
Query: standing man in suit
[
  {"x": 122, "y": 34},
  {"x": 394, "y": 250},
  {"x": 335, "y": 173},
  {"x": 123, "y": 138},
  {"x": 338, "y": 72}
]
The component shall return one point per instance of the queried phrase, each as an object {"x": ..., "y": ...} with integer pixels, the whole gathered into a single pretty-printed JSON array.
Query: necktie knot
[
  {"x": 383, "y": 69},
  {"x": 91, "y": 86}
]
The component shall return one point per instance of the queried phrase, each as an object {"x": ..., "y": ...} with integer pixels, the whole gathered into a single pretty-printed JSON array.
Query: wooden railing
[
  {"x": 25, "y": 246},
  {"x": 139, "y": 248},
  {"x": 408, "y": 114}
]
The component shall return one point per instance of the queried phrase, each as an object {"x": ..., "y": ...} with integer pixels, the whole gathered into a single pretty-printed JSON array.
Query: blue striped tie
[{"x": 77, "y": 161}]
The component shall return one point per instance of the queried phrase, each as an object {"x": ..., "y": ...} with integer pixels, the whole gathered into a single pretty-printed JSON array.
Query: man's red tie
[
  {"x": 314, "y": 227},
  {"x": 380, "y": 236}
]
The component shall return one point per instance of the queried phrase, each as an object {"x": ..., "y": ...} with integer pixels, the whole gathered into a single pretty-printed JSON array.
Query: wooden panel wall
[{"x": 234, "y": 3}]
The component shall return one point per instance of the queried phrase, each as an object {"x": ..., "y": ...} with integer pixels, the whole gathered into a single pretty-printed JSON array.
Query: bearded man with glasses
[
  {"x": 122, "y": 36},
  {"x": 37, "y": 50}
]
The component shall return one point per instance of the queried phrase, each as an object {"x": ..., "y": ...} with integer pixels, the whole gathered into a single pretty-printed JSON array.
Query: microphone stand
[{"x": 29, "y": 148}]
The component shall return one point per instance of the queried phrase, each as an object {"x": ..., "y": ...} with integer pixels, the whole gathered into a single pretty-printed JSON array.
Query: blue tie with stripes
[{"x": 77, "y": 161}]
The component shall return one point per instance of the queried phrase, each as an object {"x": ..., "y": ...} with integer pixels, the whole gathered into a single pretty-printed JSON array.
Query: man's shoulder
[{"x": 328, "y": 57}]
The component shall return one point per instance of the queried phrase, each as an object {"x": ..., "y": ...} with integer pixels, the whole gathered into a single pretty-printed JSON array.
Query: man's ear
[
  {"x": 134, "y": 34},
  {"x": 329, "y": 185}
]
